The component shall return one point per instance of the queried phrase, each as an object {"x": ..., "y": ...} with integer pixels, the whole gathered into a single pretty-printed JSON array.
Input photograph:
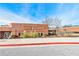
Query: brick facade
[
  {"x": 17, "y": 28},
  {"x": 70, "y": 31}
]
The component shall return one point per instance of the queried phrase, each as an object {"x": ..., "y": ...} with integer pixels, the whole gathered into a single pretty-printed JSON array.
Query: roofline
[{"x": 29, "y": 23}]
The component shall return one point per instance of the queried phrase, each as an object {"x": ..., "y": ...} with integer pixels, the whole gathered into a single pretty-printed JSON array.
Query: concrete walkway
[{"x": 40, "y": 41}]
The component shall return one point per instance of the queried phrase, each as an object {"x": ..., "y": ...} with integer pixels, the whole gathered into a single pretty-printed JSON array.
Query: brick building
[
  {"x": 18, "y": 28},
  {"x": 70, "y": 31}
]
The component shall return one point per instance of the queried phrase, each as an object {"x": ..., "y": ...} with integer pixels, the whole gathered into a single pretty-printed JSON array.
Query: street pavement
[{"x": 41, "y": 50}]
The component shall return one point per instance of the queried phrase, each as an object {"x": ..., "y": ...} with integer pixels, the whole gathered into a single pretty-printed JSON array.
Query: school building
[{"x": 17, "y": 28}]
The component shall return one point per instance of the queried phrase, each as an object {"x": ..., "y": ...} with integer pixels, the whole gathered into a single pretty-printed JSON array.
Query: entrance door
[
  {"x": 4, "y": 34},
  {"x": 1, "y": 35},
  {"x": 40, "y": 34}
]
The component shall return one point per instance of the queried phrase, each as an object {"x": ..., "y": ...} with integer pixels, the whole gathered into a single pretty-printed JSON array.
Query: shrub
[
  {"x": 45, "y": 35},
  {"x": 25, "y": 35},
  {"x": 29, "y": 35},
  {"x": 34, "y": 34}
]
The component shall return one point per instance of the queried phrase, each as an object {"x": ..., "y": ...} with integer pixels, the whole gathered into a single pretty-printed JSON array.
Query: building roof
[
  {"x": 73, "y": 29},
  {"x": 29, "y": 23}
]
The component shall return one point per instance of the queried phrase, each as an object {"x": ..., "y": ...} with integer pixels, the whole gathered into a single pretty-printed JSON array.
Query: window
[{"x": 76, "y": 32}]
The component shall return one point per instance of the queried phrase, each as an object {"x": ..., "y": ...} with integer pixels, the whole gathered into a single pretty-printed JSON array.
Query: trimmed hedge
[{"x": 29, "y": 35}]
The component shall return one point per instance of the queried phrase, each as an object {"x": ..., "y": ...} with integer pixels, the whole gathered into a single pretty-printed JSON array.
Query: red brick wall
[
  {"x": 40, "y": 28},
  {"x": 5, "y": 29},
  {"x": 21, "y": 27}
]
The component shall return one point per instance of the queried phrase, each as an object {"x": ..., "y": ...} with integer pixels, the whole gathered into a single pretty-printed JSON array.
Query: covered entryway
[
  {"x": 4, "y": 34},
  {"x": 52, "y": 32}
]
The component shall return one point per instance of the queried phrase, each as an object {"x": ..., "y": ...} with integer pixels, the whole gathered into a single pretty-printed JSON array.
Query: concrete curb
[{"x": 32, "y": 44}]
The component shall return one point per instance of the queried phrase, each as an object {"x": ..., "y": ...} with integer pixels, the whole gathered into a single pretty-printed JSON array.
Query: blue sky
[{"x": 36, "y": 12}]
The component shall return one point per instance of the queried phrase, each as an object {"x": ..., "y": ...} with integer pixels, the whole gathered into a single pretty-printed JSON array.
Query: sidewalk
[{"x": 39, "y": 41}]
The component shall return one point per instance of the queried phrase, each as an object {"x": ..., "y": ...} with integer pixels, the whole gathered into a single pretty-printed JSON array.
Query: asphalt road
[{"x": 50, "y": 50}]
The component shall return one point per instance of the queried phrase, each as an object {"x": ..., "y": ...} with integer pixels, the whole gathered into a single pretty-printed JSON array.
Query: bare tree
[{"x": 53, "y": 23}]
